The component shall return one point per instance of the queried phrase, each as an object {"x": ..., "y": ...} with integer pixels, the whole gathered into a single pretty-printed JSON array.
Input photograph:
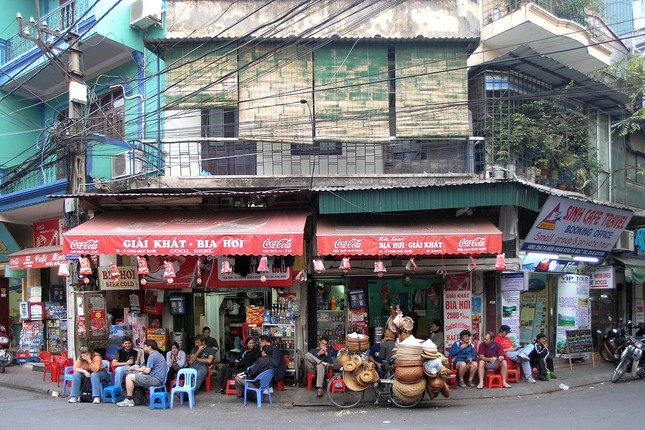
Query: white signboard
[
  {"x": 566, "y": 226},
  {"x": 573, "y": 310},
  {"x": 602, "y": 277},
  {"x": 457, "y": 296}
]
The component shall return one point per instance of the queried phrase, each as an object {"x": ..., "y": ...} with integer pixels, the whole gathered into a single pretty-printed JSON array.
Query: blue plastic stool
[
  {"x": 113, "y": 393},
  {"x": 159, "y": 400}
]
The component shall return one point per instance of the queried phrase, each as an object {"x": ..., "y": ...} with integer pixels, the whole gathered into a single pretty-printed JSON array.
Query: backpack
[
  {"x": 86, "y": 390},
  {"x": 139, "y": 397}
]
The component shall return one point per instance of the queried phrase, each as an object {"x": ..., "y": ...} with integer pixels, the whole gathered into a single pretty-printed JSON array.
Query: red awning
[
  {"x": 37, "y": 258},
  {"x": 406, "y": 236},
  {"x": 189, "y": 232}
]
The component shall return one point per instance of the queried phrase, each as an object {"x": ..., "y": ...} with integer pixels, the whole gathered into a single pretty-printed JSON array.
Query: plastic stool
[
  {"x": 494, "y": 380},
  {"x": 159, "y": 400},
  {"x": 338, "y": 386},
  {"x": 230, "y": 387},
  {"x": 512, "y": 375},
  {"x": 311, "y": 377},
  {"x": 279, "y": 386},
  {"x": 113, "y": 393}
]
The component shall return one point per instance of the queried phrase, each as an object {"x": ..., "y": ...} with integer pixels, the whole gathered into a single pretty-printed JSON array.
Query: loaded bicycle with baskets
[{"x": 416, "y": 369}]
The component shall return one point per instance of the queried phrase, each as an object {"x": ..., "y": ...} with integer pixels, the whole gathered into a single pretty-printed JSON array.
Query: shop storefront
[
  {"x": 167, "y": 274},
  {"x": 366, "y": 265}
]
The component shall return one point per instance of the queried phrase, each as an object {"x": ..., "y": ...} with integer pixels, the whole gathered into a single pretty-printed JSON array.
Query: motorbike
[
  {"x": 6, "y": 356},
  {"x": 630, "y": 359},
  {"x": 613, "y": 341}
]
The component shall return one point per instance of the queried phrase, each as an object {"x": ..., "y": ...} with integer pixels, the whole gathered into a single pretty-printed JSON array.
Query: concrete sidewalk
[{"x": 28, "y": 377}]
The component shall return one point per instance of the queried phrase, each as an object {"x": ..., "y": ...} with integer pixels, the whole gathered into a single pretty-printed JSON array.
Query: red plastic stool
[
  {"x": 230, "y": 387},
  {"x": 338, "y": 386},
  {"x": 279, "y": 386},
  {"x": 311, "y": 377},
  {"x": 493, "y": 380}
]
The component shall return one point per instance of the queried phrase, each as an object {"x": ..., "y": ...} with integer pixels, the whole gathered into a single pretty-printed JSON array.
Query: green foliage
[
  {"x": 630, "y": 75},
  {"x": 545, "y": 134}
]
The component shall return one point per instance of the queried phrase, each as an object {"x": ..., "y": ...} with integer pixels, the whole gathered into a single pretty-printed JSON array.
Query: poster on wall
[
  {"x": 539, "y": 322},
  {"x": 527, "y": 316},
  {"x": 457, "y": 299},
  {"x": 511, "y": 313},
  {"x": 572, "y": 311},
  {"x": 48, "y": 232}
]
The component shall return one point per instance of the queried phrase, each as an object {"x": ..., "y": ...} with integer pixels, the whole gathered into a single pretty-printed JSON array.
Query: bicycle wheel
[
  {"x": 340, "y": 395},
  {"x": 400, "y": 404}
]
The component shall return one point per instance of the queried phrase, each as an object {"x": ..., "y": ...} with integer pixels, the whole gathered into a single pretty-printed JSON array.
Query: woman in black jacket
[
  {"x": 541, "y": 358},
  {"x": 246, "y": 359}
]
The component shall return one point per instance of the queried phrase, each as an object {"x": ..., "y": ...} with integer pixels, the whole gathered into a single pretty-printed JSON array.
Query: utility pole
[{"x": 71, "y": 135}]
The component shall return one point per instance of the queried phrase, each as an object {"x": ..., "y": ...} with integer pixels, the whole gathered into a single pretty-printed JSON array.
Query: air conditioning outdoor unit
[
  {"x": 125, "y": 164},
  {"x": 144, "y": 13},
  {"x": 625, "y": 241}
]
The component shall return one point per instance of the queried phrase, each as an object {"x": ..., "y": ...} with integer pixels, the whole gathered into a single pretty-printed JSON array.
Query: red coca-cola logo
[
  {"x": 88, "y": 245},
  {"x": 345, "y": 244},
  {"x": 475, "y": 242},
  {"x": 283, "y": 243}
]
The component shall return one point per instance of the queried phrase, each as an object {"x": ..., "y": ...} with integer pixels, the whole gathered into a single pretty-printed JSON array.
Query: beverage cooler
[{"x": 331, "y": 315}]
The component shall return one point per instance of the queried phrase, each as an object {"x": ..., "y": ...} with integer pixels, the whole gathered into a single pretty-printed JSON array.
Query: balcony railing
[
  {"x": 60, "y": 19},
  {"x": 233, "y": 157},
  {"x": 35, "y": 179},
  {"x": 573, "y": 10}
]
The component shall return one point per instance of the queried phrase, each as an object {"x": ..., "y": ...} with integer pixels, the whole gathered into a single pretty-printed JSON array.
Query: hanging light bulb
[{"x": 263, "y": 278}]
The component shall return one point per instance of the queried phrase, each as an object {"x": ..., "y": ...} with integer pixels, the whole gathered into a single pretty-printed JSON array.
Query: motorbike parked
[
  {"x": 613, "y": 341},
  {"x": 630, "y": 359},
  {"x": 6, "y": 356}
]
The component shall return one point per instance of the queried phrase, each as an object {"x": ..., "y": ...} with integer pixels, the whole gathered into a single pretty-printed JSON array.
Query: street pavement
[{"x": 28, "y": 377}]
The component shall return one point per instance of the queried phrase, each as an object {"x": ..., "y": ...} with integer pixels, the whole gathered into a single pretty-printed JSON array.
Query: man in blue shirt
[
  {"x": 318, "y": 361},
  {"x": 151, "y": 375}
]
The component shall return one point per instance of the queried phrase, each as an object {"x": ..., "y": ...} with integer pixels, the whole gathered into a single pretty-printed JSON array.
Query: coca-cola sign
[
  {"x": 475, "y": 242},
  {"x": 90, "y": 245},
  {"x": 348, "y": 243},
  {"x": 283, "y": 243}
]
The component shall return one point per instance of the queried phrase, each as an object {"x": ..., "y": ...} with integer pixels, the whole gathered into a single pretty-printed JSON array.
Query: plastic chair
[
  {"x": 493, "y": 379},
  {"x": 67, "y": 377},
  {"x": 264, "y": 379},
  {"x": 159, "y": 392},
  {"x": 61, "y": 366},
  {"x": 513, "y": 371},
  {"x": 47, "y": 358},
  {"x": 189, "y": 379},
  {"x": 452, "y": 378},
  {"x": 311, "y": 377},
  {"x": 207, "y": 380}
]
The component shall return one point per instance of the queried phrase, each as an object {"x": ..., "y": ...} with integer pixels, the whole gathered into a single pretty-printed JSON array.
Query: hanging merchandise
[
  {"x": 411, "y": 265},
  {"x": 301, "y": 276},
  {"x": 500, "y": 262},
  {"x": 344, "y": 265},
  {"x": 114, "y": 271},
  {"x": 319, "y": 267},
  {"x": 86, "y": 267},
  {"x": 226, "y": 267},
  {"x": 379, "y": 268},
  {"x": 262, "y": 265},
  {"x": 169, "y": 272},
  {"x": 198, "y": 272},
  {"x": 142, "y": 264},
  {"x": 63, "y": 270}
]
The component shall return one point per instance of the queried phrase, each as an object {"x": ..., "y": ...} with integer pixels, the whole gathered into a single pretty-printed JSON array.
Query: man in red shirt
[
  {"x": 491, "y": 356},
  {"x": 513, "y": 352}
]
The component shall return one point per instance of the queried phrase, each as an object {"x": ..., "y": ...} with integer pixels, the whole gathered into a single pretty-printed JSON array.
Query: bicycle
[{"x": 343, "y": 397}]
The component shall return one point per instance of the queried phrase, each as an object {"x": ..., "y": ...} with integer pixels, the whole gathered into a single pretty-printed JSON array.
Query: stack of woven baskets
[
  {"x": 357, "y": 342},
  {"x": 358, "y": 374},
  {"x": 409, "y": 382},
  {"x": 434, "y": 370}
]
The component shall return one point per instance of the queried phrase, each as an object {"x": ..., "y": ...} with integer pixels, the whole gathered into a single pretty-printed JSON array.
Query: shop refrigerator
[
  {"x": 32, "y": 338},
  {"x": 56, "y": 328}
]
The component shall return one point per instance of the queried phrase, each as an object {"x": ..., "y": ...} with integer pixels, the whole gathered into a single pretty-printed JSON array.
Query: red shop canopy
[
  {"x": 37, "y": 258},
  {"x": 189, "y": 232},
  {"x": 406, "y": 236}
]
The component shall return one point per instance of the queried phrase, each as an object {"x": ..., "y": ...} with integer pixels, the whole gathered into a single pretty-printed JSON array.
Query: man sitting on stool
[{"x": 318, "y": 361}]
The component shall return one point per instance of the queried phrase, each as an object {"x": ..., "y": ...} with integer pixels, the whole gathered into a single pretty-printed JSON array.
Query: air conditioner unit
[
  {"x": 625, "y": 241},
  {"x": 125, "y": 164},
  {"x": 144, "y": 13}
]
